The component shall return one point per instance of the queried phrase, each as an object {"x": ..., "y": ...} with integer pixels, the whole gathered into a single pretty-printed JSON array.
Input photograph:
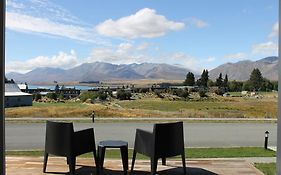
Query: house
[
  {"x": 23, "y": 87},
  {"x": 67, "y": 92},
  {"x": 14, "y": 97}
]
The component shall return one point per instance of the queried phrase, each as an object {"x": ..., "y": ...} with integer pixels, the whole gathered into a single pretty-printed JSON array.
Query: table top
[{"x": 112, "y": 143}]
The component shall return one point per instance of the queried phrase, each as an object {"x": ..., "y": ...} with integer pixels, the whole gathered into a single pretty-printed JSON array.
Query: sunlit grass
[
  {"x": 189, "y": 152},
  {"x": 223, "y": 107},
  {"x": 267, "y": 168}
]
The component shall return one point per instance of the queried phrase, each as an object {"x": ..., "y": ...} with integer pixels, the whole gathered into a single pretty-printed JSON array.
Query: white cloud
[
  {"x": 44, "y": 17},
  {"x": 125, "y": 53},
  {"x": 124, "y": 47},
  {"x": 61, "y": 60},
  {"x": 143, "y": 24},
  {"x": 143, "y": 46},
  {"x": 268, "y": 48},
  {"x": 275, "y": 30},
  {"x": 25, "y": 23},
  {"x": 211, "y": 59},
  {"x": 185, "y": 60},
  {"x": 198, "y": 22},
  {"x": 235, "y": 56}
]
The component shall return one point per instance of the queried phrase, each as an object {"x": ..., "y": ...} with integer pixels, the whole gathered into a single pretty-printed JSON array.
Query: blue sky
[{"x": 195, "y": 34}]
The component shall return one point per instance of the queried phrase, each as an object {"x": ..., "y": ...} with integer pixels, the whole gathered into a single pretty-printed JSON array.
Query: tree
[
  {"x": 219, "y": 81},
  {"x": 235, "y": 86},
  {"x": 211, "y": 83},
  {"x": 225, "y": 82},
  {"x": 247, "y": 86},
  {"x": 256, "y": 80},
  {"x": 123, "y": 95},
  {"x": 102, "y": 95},
  {"x": 203, "y": 80},
  {"x": 190, "y": 79},
  {"x": 267, "y": 85}
]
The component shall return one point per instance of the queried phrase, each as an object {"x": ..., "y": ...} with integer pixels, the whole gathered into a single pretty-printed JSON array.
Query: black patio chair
[
  {"x": 165, "y": 141},
  {"x": 61, "y": 140}
]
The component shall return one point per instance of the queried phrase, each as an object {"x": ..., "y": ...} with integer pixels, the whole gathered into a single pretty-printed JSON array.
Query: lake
[{"x": 52, "y": 87}]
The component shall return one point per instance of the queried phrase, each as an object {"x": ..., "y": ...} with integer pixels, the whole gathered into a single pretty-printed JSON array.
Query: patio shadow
[{"x": 88, "y": 170}]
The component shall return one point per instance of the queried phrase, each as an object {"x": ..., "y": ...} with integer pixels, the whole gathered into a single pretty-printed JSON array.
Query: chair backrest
[
  {"x": 59, "y": 137},
  {"x": 169, "y": 139}
]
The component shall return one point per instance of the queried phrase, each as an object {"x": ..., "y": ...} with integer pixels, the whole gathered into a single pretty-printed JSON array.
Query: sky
[{"x": 195, "y": 34}]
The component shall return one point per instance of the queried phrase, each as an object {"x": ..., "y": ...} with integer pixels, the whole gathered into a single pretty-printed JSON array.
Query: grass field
[
  {"x": 267, "y": 168},
  {"x": 190, "y": 153},
  {"x": 219, "y": 107}
]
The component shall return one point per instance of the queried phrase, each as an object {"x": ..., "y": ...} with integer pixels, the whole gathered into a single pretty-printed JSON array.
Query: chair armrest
[
  {"x": 144, "y": 142},
  {"x": 84, "y": 141}
]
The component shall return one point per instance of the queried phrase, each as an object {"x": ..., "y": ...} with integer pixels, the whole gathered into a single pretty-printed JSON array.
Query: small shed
[{"x": 14, "y": 97}]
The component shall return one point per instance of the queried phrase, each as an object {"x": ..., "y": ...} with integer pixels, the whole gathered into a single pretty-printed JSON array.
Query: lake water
[{"x": 52, "y": 87}]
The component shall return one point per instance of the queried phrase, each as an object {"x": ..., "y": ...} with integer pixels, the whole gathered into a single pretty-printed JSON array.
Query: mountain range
[
  {"x": 241, "y": 70},
  {"x": 99, "y": 71}
]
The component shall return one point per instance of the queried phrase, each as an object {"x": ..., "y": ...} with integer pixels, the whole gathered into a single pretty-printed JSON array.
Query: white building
[{"x": 14, "y": 97}]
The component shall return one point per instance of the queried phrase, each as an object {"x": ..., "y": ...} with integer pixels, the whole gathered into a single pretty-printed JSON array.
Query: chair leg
[
  {"x": 72, "y": 162},
  {"x": 96, "y": 161},
  {"x": 124, "y": 155},
  {"x": 153, "y": 162},
  {"x": 183, "y": 163},
  {"x": 133, "y": 161},
  {"x": 45, "y": 162},
  {"x": 163, "y": 160},
  {"x": 101, "y": 153}
]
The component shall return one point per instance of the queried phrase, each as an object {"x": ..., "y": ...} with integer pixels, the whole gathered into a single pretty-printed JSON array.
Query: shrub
[
  {"x": 181, "y": 93},
  {"x": 123, "y": 95},
  {"x": 220, "y": 91},
  {"x": 52, "y": 96},
  {"x": 37, "y": 97},
  {"x": 61, "y": 97},
  {"x": 202, "y": 93},
  {"x": 88, "y": 95},
  {"x": 102, "y": 95},
  {"x": 159, "y": 95}
]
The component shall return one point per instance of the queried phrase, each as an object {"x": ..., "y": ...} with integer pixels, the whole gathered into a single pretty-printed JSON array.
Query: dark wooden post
[{"x": 2, "y": 92}]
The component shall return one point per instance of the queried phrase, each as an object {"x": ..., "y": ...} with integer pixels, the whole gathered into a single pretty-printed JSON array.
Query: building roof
[
  {"x": 22, "y": 86},
  {"x": 12, "y": 89}
]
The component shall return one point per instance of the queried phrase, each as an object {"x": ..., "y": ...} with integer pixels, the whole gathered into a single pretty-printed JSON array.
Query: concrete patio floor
[{"x": 86, "y": 166}]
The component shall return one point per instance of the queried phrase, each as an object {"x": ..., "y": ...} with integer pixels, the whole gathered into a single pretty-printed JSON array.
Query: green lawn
[
  {"x": 267, "y": 168},
  {"x": 190, "y": 153}
]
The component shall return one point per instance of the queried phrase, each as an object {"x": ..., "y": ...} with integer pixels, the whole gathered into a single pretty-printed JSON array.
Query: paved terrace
[{"x": 86, "y": 166}]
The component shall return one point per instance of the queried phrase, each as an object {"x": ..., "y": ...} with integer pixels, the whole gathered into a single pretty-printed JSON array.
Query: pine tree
[
  {"x": 256, "y": 80},
  {"x": 190, "y": 80},
  {"x": 203, "y": 80},
  {"x": 219, "y": 81},
  {"x": 225, "y": 81}
]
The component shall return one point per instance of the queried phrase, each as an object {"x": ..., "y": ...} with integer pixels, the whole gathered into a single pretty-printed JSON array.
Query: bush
[
  {"x": 102, "y": 95},
  {"x": 159, "y": 95},
  {"x": 202, "y": 93},
  {"x": 181, "y": 93},
  {"x": 220, "y": 91},
  {"x": 37, "y": 97},
  {"x": 88, "y": 95},
  {"x": 61, "y": 96},
  {"x": 52, "y": 96},
  {"x": 144, "y": 90},
  {"x": 123, "y": 95}
]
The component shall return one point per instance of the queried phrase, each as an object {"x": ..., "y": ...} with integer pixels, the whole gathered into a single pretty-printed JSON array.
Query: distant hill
[
  {"x": 242, "y": 69},
  {"x": 99, "y": 71}
]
